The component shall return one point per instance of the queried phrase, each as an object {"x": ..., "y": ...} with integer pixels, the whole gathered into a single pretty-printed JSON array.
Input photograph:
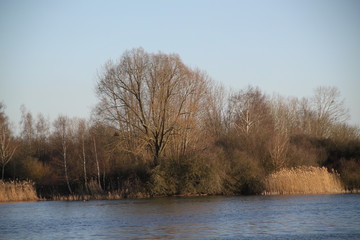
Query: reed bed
[
  {"x": 303, "y": 180},
  {"x": 104, "y": 196},
  {"x": 79, "y": 197},
  {"x": 17, "y": 191}
]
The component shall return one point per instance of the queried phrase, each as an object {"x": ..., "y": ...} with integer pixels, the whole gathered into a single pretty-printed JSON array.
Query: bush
[
  {"x": 244, "y": 176},
  {"x": 133, "y": 186},
  {"x": 185, "y": 176},
  {"x": 35, "y": 170},
  {"x": 306, "y": 151},
  {"x": 350, "y": 173}
]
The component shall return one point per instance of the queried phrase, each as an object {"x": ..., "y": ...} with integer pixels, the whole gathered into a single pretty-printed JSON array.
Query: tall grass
[
  {"x": 104, "y": 196},
  {"x": 75, "y": 197},
  {"x": 304, "y": 180},
  {"x": 17, "y": 191}
]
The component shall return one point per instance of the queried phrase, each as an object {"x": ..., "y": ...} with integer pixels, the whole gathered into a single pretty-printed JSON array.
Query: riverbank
[
  {"x": 115, "y": 196},
  {"x": 294, "y": 181}
]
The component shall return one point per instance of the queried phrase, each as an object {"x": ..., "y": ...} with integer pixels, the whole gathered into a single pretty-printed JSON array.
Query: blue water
[{"x": 255, "y": 217}]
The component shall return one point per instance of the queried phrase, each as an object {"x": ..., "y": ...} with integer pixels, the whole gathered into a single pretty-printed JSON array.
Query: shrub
[
  {"x": 35, "y": 170},
  {"x": 244, "y": 176},
  {"x": 350, "y": 173},
  {"x": 185, "y": 176}
]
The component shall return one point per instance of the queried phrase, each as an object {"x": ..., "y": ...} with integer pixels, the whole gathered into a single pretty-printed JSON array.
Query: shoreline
[{"x": 118, "y": 197}]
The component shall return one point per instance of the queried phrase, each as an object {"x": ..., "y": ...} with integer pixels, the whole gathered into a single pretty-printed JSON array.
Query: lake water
[{"x": 255, "y": 217}]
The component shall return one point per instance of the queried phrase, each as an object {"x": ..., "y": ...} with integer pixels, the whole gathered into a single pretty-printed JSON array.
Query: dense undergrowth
[{"x": 175, "y": 182}]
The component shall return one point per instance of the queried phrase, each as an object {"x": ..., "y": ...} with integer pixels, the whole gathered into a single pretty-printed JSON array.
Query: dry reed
[
  {"x": 76, "y": 197},
  {"x": 304, "y": 180},
  {"x": 99, "y": 196},
  {"x": 17, "y": 191}
]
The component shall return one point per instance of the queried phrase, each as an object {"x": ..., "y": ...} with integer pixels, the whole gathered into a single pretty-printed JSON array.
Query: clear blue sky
[{"x": 52, "y": 51}]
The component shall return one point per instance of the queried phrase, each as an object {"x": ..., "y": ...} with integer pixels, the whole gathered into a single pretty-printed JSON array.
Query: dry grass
[
  {"x": 17, "y": 191},
  {"x": 75, "y": 197},
  {"x": 104, "y": 196},
  {"x": 304, "y": 180}
]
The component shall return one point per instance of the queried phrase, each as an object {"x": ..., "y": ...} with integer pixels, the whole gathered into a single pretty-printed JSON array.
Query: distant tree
[
  {"x": 329, "y": 109},
  {"x": 148, "y": 98},
  {"x": 8, "y": 144},
  {"x": 96, "y": 159},
  {"x": 62, "y": 133},
  {"x": 99, "y": 136},
  {"x": 251, "y": 127},
  {"x": 252, "y": 121},
  {"x": 42, "y": 128},
  {"x": 27, "y": 129},
  {"x": 282, "y": 112},
  {"x": 42, "y": 133},
  {"x": 343, "y": 133},
  {"x": 82, "y": 132},
  {"x": 250, "y": 110},
  {"x": 215, "y": 111}
]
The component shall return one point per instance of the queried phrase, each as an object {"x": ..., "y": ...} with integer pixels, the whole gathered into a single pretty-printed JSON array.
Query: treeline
[{"x": 162, "y": 128}]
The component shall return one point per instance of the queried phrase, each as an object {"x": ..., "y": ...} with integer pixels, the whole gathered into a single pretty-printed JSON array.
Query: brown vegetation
[
  {"x": 162, "y": 128},
  {"x": 17, "y": 191},
  {"x": 303, "y": 180},
  {"x": 7, "y": 143}
]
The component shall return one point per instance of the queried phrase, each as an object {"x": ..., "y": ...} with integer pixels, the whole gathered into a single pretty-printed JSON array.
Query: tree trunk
[
  {"x": 2, "y": 172},
  {"x": 84, "y": 164},
  {"x": 65, "y": 167},
  {"x": 97, "y": 162}
]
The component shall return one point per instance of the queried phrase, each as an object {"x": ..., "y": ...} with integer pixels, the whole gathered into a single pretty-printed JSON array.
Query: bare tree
[
  {"x": 82, "y": 129},
  {"x": 343, "y": 133},
  {"x": 42, "y": 133},
  {"x": 7, "y": 143},
  {"x": 329, "y": 109},
  {"x": 251, "y": 124},
  {"x": 302, "y": 115},
  {"x": 27, "y": 125},
  {"x": 284, "y": 121},
  {"x": 61, "y": 128},
  {"x": 96, "y": 160},
  {"x": 147, "y": 96},
  {"x": 42, "y": 128},
  {"x": 97, "y": 135},
  {"x": 101, "y": 137},
  {"x": 249, "y": 110},
  {"x": 215, "y": 111}
]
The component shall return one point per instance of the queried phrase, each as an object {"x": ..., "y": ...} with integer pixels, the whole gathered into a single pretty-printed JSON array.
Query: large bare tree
[{"x": 148, "y": 98}]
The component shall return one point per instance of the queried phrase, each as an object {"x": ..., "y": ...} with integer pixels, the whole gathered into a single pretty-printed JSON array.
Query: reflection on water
[{"x": 257, "y": 217}]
